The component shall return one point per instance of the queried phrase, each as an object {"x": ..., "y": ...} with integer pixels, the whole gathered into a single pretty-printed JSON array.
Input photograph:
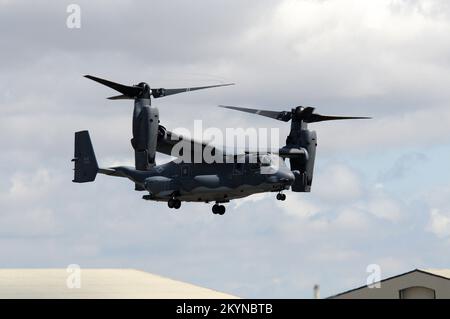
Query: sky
[{"x": 381, "y": 189}]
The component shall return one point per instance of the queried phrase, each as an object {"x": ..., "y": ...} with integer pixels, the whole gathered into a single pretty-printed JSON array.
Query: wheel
[
  {"x": 278, "y": 196},
  {"x": 221, "y": 210},
  {"x": 171, "y": 203},
  {"x": 177, "y": 204},
  {"x": 283, "y": 197},
  {"x": 215, "y": 209}
]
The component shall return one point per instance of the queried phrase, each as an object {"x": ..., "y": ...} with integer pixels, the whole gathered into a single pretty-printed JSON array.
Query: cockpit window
[{"x": 266, "y": 160}]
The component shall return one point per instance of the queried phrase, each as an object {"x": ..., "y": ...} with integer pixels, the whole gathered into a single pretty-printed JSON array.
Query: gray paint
[{"x": 192, "y": 181}]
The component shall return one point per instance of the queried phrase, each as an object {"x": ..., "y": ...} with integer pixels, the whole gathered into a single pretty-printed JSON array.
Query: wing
[{"x": 172, "y": 144}]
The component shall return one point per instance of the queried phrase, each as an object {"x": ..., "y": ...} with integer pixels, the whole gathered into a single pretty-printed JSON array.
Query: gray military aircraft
[{"x": 231, "y": 177}]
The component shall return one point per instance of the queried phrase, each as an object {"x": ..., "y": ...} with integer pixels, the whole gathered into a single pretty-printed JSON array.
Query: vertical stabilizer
[{"x": 86, "y": 166}]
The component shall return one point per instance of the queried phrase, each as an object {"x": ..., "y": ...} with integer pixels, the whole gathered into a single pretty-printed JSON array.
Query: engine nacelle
[
  {"x": 305, "y": 166},
  {"x": 294, "y": 152}
]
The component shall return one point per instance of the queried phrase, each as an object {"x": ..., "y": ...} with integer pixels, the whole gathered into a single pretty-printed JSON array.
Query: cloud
[
  {"x": 385, "y": 206},
  {"x": 390, "y": 132},
  {"x": 338, "y": 183},
  {"x": 391, "y": 265},
  {"x": 439, "y": 223},
  {"x": 403, "y": 166},
  {"x": 333, "y": 254},
  {"x": 386, "y": 59},
  {"x": 437, "y": 208},
  {"x": 251, "y": 199},
  {"x": 300, "y": 207},
  {"x": 353, "y": 219},
  {"x": 23, "y": 213}
]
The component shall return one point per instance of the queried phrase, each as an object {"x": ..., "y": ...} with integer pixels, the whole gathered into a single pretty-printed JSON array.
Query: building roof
[
  {"x": 97, "y": 283},
  {"x": 441, "y": 273},
  {"x": 445, "y": 273}
]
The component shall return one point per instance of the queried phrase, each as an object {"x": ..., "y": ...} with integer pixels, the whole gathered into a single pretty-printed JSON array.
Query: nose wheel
[
  {"x": 174, "y": 203},
  {"x": 218, "y": 209},
  {"x": 281, "y": 196}
]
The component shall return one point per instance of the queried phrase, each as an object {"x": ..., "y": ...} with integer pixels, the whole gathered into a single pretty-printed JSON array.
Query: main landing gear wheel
[
  {"x": 174, "y": 203},
  {"x": 218, "y": 209},
  {"x": 281, "y": 196}
]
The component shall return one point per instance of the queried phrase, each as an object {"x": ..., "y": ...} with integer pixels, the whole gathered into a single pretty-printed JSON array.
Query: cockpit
[{"x": 265, "y": 160}]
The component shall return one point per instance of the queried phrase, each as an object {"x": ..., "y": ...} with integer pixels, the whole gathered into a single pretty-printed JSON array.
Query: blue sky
[{"x": 380, "y": 193}]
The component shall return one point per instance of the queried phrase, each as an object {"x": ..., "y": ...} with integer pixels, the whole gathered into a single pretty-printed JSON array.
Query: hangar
[
  {"x": 414, "y": 284},
  {"x": 97, "y": 283}
]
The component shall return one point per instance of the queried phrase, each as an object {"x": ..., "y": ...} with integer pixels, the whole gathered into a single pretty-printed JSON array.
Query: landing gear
[
  {"x": 174, "y": 203},
  {"x": 281, "y": 196},
  {"x": 218, "y": 209}
]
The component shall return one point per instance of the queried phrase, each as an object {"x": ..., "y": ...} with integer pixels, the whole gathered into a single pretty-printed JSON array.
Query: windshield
[{"x": 266, "y": 160}]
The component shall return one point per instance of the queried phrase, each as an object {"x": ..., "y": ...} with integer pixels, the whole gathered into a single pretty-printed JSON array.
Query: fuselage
[{"x": 218, "y": 182}]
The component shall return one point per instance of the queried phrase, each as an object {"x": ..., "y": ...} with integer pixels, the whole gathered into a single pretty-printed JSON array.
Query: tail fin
[{"x": 86, "y": 166}]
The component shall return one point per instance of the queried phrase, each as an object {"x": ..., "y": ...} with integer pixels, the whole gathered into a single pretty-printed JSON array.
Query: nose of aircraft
[{"x": 286, "y": 177}]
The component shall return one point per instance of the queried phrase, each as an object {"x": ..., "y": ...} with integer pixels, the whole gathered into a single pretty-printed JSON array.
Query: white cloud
[
  {"x": 333, "y": 254},
  {"x": 389, "y": 132},
  {"x": 28, "y": 222},
  {"x": 337, "y": 183},
  {"x": 25, "y": 211},
  {"x": 29, "y": 186},
  {"x": 388, "y": 59},
  {"x": 385, "y": 206},
  {"x": 251, "y": 199},
  {"x": 353, "y": 219},
  {"x": 439, "y": 223},
  {"x": 298, "y": 205},
  {"x": 391, "y": 265}
]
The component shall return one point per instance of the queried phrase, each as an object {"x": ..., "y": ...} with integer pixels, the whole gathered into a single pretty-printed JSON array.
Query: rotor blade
[
  {"x": 119, "y": 97},
  {"x": 130, "y": 91},
  {"x": 277, "y": 115},
  {"x": 165, "y": 92},
  {"x": 320, "y": 118}
]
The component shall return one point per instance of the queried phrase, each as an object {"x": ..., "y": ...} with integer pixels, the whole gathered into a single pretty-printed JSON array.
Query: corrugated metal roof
[{"x": 97, "y": 283}]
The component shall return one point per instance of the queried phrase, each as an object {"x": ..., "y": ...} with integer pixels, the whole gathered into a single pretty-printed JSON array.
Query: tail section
[{"x": 86, "y": 167}]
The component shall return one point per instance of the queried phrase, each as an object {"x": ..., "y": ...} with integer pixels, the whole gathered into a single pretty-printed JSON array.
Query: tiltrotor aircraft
[{"x": 204, "y": 181}]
